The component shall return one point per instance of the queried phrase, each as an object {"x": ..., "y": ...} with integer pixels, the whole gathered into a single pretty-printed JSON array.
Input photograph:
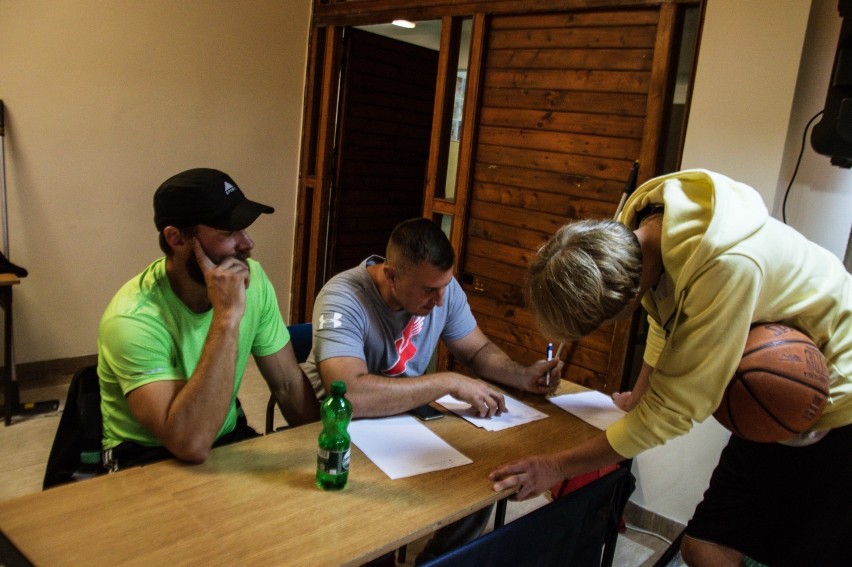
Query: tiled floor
[{"x": 25, "y": 446}]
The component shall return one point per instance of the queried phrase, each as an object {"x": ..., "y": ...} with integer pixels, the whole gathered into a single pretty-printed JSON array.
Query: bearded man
[{"x": 174, "y": 342}]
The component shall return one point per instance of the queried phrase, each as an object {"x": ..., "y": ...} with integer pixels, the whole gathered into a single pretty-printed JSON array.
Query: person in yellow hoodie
[{"x": 706, "y": 261}]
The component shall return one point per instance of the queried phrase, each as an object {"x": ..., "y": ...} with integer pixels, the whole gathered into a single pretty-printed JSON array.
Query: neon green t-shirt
[{"x": 147, "y": 334}]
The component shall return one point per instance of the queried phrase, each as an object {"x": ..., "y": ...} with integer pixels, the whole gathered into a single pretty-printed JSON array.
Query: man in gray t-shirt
[
  {"x": 381, "y": 321},
  {"x": 376, "y": 327},
  {"x": 355, "y": 322}
]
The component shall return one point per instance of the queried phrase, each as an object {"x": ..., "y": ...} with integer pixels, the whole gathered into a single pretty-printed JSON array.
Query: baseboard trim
[
  {"x": 652, "y": 522},
  {"x": 50, "y": 372}
]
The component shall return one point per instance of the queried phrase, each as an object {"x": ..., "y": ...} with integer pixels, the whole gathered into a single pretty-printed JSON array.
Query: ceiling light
[{"x": 403, "y": 23}]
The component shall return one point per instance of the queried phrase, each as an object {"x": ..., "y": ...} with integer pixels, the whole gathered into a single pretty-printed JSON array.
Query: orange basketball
[{"x": 780, "y": 386}]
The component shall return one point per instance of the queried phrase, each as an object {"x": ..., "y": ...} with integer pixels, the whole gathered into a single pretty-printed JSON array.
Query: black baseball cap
[{"x": 204, "y": 196}]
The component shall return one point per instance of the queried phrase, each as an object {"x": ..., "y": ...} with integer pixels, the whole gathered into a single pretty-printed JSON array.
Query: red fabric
[{"x": 566, "y": 486}]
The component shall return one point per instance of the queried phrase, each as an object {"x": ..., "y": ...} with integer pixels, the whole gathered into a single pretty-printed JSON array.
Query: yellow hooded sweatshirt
[{"x": 728, "y": 264}]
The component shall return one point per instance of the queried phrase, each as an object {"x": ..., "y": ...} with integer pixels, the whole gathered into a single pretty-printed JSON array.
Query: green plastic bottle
[{"x": 334, "y": 441}]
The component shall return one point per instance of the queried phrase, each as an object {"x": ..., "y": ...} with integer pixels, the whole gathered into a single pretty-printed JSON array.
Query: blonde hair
[{"x": 585, "y": 274}]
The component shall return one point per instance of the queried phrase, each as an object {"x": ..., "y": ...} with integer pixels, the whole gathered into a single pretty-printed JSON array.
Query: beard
[{"x": 194, "y": 270}]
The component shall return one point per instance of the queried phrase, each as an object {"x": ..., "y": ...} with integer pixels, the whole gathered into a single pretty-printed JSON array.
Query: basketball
[{"x": 780, "y": 386}]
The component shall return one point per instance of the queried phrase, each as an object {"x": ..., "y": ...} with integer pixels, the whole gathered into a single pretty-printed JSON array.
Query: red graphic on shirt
[{"x": 404, "y": 347}]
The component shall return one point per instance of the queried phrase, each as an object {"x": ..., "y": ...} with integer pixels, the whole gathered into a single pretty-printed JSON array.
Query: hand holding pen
[
  {"x": 547, "y": 373},
  {"x": 543, "y": 376}
]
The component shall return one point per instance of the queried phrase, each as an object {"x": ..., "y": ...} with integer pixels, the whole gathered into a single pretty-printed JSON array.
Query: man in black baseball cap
[
  {"x": 204, "y": 196},
  {"x": 174, "y": 342}
]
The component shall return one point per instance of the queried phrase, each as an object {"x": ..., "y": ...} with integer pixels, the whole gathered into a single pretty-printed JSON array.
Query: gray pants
[{"x": 456, "y": 534}]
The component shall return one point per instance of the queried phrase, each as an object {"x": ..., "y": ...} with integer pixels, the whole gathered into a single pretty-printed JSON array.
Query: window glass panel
[
  {"x": 445, "y": 222},
  {"x": 448, "y": 191},
  {"x": 672, "y": 136}
]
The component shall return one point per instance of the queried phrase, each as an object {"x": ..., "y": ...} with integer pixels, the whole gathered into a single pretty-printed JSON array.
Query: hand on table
[
  {"x": 624, "y": 400},
  {"x": 532, "y": 476},
  {"x": 485, "y": 401}
]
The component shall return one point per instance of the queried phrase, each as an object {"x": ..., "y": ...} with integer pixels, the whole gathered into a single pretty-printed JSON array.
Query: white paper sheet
[
  {"x": 592, "y": 407},
  {"x": 518, "y": 413},
  {"x": 401, "y": 446}
]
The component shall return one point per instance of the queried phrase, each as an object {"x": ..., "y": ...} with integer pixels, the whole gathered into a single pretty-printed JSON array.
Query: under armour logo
[
  {"x": 333, "y": 320},
  {"x": 229, "y": 188}
]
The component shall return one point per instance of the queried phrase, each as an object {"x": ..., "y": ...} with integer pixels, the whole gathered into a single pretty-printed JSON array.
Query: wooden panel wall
[
  {"x": 562, "y": 119},
  {"x": 388, "y": 93}
]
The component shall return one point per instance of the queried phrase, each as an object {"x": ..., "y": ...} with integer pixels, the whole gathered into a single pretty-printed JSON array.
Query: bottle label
[{"x": 333, "y": 462}]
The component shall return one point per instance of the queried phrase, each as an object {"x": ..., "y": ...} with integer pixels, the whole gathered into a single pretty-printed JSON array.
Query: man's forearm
[
  {"x": 373, "y": 395},
  {"x": 492, "y": 363},
  {"x": 199, "y": 409},
  {"x": 298, "y": 404},
  {"x": 535, "y": 474},
  {"x": 590, "y": 455}
]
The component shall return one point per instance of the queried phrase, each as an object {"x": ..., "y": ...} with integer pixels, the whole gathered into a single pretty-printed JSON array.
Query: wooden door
[
  {"x": 385, "y": 118},
  {"x": 569, "y": 102}
]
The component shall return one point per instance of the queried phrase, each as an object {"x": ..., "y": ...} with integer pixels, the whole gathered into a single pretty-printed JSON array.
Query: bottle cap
[{"x": 338, "y": 388}]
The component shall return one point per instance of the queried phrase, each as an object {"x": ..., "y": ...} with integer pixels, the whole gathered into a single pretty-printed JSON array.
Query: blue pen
[{"x": 549, "y": 358}]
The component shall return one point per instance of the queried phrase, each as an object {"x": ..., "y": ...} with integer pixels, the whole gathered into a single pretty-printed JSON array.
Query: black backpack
[{"x": 76, "y": 450}]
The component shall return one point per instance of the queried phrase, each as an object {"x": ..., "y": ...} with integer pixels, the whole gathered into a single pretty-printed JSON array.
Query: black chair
[
  {"x": 578, "y": 529},
  {"x": 301, "y": 336},
  {"x": 76, "y": 450}
]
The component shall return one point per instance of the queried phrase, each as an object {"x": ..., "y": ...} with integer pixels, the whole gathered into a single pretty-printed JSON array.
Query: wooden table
[{"x": 256, "y": 503}]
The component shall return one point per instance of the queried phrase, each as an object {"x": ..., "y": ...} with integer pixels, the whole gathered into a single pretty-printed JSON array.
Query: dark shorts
[
  {"x": 129, "y": 454},
  {"x": 781, "y": 505}
]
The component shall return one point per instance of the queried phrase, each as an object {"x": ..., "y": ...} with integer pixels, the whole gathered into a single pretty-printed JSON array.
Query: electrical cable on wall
[{"x": 798, "y": 161}]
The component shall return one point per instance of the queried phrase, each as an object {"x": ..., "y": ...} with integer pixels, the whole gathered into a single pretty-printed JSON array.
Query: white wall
[
  {"x": 820, "y": 201},
  {"x": 751, "y": 101},
  {"x": 104, "y": 100}
]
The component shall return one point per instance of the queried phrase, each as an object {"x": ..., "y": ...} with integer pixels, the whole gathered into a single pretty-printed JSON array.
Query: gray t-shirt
[{"x": 351, "y": 319}]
